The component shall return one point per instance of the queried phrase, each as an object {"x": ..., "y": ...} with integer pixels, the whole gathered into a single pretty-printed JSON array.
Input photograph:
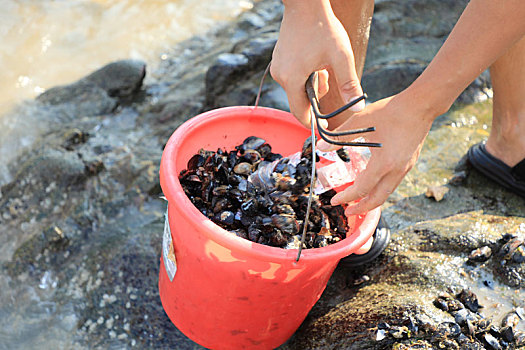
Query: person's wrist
[{"x": 429, "y": 98}]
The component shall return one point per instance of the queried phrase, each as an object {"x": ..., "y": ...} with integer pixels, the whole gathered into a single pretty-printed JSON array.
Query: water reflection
[{"x": 51, "y": 42}]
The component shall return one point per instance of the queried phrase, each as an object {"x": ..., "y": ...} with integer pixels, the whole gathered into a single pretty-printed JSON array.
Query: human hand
[
  {"x": 313, "y": 39},
  {"x": 401, "y": 126}
]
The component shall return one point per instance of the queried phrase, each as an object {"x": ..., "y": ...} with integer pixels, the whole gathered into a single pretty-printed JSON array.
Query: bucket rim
[{"x": 174, "y": 193}]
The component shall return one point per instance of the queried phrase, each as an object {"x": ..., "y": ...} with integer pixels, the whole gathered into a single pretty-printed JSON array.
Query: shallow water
[{"x": 51, "y": 42}]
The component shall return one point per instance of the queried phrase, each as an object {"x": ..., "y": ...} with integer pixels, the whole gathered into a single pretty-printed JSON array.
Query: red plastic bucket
[{"x": 228, "y": 292}]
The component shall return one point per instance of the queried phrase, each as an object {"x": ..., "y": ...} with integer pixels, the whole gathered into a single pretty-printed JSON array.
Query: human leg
[
  {"x": 507, "y": 137},
  {"x": 356, "y": 17}
]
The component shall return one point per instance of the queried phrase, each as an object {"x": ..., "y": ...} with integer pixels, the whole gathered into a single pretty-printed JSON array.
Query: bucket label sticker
[{"x": 168, "y": 252}]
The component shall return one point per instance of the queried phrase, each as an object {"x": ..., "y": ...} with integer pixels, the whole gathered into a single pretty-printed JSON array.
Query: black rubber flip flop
[
  {"x": 512, "y": 178},
  {"x": 381, "y": 240}
]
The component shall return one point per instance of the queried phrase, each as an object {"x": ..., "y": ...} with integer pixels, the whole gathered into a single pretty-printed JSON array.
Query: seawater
[{"x": 51, "y": 42}]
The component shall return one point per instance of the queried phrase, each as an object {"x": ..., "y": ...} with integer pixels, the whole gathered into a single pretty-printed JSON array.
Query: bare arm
[
  {"x": 313, "y": 39},
  {"x": 486, "y": 29}
]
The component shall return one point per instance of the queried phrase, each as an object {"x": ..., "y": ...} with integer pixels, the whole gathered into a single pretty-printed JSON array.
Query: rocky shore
[{"x": 82, "y": 218}]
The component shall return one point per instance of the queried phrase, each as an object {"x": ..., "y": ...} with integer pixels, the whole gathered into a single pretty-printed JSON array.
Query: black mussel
[
  {"x": 226, "y": 217},
  {"x": 277, "y": 239},
  {"x": 192, "y": 179},
  {"x": 198, "y": 202},
  {"x": 490, "y": 342},
  {"x": 283, "y": 183},
  {"x": 264, "y": 220},
  {"x": 519, "y": 339},
  {"x": 206, "y": 153},
  {"x": 399, "y": 332},
  {"x": 449, "y": 329},
  {"x": 262, "y": 240},
  {"x": 283, "y": 209},
  {"x": 240, "y": 233},
  {"x": 469, "y": 299},
  {"x": 306, "y": 151},
  {"x": 251, "y": 156},
  {"x": 221, "y": 173},
  {"x": 236, "y": 197},
  {"x": 483, "y": 325},
  {"x": 247, "y": 220},
  {"x": 291, "y": 170},
  {"x": 280, "y": 197},
  {"x": 221, "y": 191},
  {"x": 302, "y": 175},
  {"x": 519, "y": 255},
  {"x": 264, "y": 150},
  {"x": 220, "y": 205},
  {"x": 235, "y": 179},
  {"x": 480, "y": 255},
  {"x": 294, "y": 242},
  {"x": 507, "y": 334},
  {"x": 251, "y": 142},
  {"x": 327, "y": 196},
  {"x": 383, "y": 325},
  {"x": 249, "y": 207},
  {"x": 343, "y": 154},
  {"x": 232, "y": 158},
  {"x": 243, "y": 185},
  {"x": 273, "y": 157},
  {"x": 280, "y": 167},
  {"x": 320, "y": 241},
  {"x": 264, "y": 204},
  {"x": 265, "y": 224},
  {"x": 243, "y": 168},
  {"x": 195, "y": 162},
  {"x": 254, "y": 233},
  {"x": 462, "y": 316},
  {"x": 520, "y": 311},
  {"x": 508, "y": 248},
  {"x": 286, "y": 223},
  {"x": 510, "y": 320},
  {"x": 448, "y": 303},
  {"x": 454, "y": 305},
  {"x": 471, "y": 329},
  {"x": 441, "y": 304}
]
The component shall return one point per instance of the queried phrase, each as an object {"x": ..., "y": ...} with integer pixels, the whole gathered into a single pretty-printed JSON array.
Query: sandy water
[{"x": 51, "y": 42}]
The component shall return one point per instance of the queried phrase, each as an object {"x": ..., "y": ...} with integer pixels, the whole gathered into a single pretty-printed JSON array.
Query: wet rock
[
  {"x": 258, "y": 50},
  {"x": 390, "y": 79},
  {"x": 53, "y": 165},
  {"x": 227, "y": 70},
  {"x": 85, "y": 98},
  {"x": 119, "y": 79},
  {"x": 99, "y": 92}
]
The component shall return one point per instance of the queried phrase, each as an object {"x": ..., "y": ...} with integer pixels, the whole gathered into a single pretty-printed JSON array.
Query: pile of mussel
[
  {"x": 469, "y": 330},
  {"x": 471, "y": 327},
  {"x": 219, "y": 185}
]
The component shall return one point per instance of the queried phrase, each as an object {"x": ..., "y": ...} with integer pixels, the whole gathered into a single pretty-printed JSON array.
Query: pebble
[{"x": 437, "y": 192}]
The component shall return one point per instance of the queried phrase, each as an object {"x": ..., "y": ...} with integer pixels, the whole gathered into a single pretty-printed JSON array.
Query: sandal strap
[{"x": 518, "y": 171}]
